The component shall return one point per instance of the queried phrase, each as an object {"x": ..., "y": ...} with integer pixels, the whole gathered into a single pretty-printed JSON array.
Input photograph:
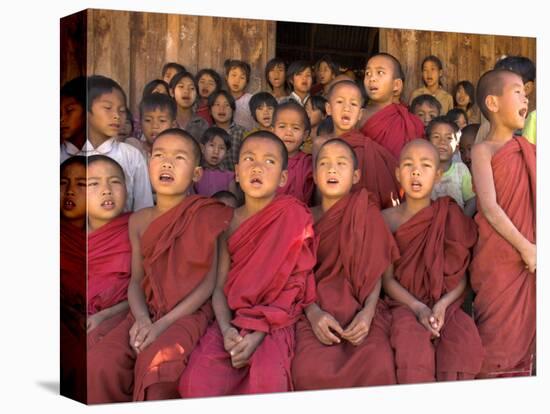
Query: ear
[
  {"x": 284, "y": 178},
  {"x": 529, "y": 87},
  {"x": 328, "y": 109},
  {"x": 397, "y": 86},
  {"x": 491, "y": 101},
  {"x": 356, "y": 176},
  {"x": 197, "y": 174},
  {"x": 236, "y": 173},
  {"x": 397, "y": 175}
]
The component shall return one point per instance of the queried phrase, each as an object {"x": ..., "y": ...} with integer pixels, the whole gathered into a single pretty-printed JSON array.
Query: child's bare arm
[
  {"x": 95, "y": 319},
  {"x": 359, "y": 327},
  {"x": 443, "y": 303},
  {"x": 489, "y": 207},
  {"x": 323, "y": 325}
]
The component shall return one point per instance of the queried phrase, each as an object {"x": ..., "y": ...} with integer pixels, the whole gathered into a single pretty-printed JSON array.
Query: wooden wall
[
  {"x": 464, "y": 56},
  {"x": 73, "y": 46}
]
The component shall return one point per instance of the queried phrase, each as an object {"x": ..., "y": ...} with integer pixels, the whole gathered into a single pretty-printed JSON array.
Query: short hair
[
  {"x": 326, "y": 126},
  {"x": 318, "y": 103},
  {"x": 74, "y": 160},
  {"x": 212, "y": 98},
  {"x": 181, "y": 75},
  {"x": 434, "y": 59},
  {"x": 92, "y": 159},
  {"x": 173, "y": 65},
  {"x": 425, "y": 98},
  {"x": 445, "y": 120},
  {"x": 271, "y": 137},
  {"x": 519, "y": 64},
  {"x": 455, "y": 113},
  {"x": 332, "y": 65},
  {"x": 340, "y": 141},
  {"x": 213, "y": 74},
  {"x": 75, "y": 88},
  {"x": 225, "y": 194},
  {"x": 270, "y": 66},
  {"x": 150, "y": 87},
  {"x": 416, "y": 142},
  {"x": 130, "y": 118},
  {"x": 397, "y": 68},
  {"x": 260, "y": 98},
  {"x": 293, "y": 106},
  {"x": 343, "y": 83},
  {"x": 235, "y": 63},
  {"x": 469, "y": 130},
  {"x": 181, "y": 133},
  {"x": 295, "y": 68},
  {"x": 470, "y": 91},
  {"x": 214, "y": 132},
  {"x": 158, "y": 101},
  {"x": 98, "y": 85},
  {"x": 491, "y": 83}
]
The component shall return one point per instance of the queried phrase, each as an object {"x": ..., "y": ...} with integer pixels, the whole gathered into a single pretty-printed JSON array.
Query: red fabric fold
[{"x": 300, "y": 177}]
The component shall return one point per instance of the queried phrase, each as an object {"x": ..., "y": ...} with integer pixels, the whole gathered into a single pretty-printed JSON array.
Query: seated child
[
  {"x": 432, "y": 72},
  {"x": 325, "y": 71},
  {"x": 431, "y": 335},
  {"x": 291, "y": 125},
  {"x": 215, "y": 143},
  {"x": 385, "y": 120},
  {"x": 456, "y": 180},
  {"x": 170, "y": 69},
  {"x": 73, "y": 117},
  {"x": 262, "y": 105},
  {"x": 275, "y": 76},
  {"x": 503, "y": 270},
  {"x": 209, "y": 81},
  {"x": 316, "y": 111},
  {"x": 376, "y": 163},
  {"x": 173, "y": 276},
  {"x": 467, "y": 139},
  {"x": 109, "y": 251},
  {"x": 265, "y": 280},
  {"x": 458, "y": 116},
  {"x": 464, "y": 98},
  {"x": 426, "y": 107},
  {"x": 341, "y": 341},
  {"x": 237, "y": 77},
  {"x": 300, "y": 77}
]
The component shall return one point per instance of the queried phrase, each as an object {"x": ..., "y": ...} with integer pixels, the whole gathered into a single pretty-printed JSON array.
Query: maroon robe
[{"x": 300, "y": 177}]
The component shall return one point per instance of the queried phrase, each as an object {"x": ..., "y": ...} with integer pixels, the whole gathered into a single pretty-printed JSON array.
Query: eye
[
  {"x": 270, "y": 161},
  {"x": 94, "y": 183}
]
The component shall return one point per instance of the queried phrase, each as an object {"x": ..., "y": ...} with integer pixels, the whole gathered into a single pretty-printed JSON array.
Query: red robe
[
  {"x": 505, "y": 291},
  {"x": 435, "y": 252},
  {"x": 300, "y": 177},
  {"x": 204, "y": 112},
  {"x": 269, "y": 284},
  {"x": 392, "y": 127},
  {"x": 177, "y": 249},
  {"x": 377, "y": 167},
  {"x": 355, "y": 248}
]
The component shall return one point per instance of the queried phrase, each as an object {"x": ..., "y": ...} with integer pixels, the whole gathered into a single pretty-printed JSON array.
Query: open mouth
[
  {"x": 256, "y": 182},
  {"x": 68, "y": 204},
  {"x": 204, "y": 92},
  {"x": 345, "y": 119},
  {"x": 166, "y": 178},
  {"x": 222, "y": 115},
  {"x": 266, "y": 119},
  {"x": 416, "y": 186},
  {"x": 523, "y": 112},
  {"x": 108, "y": 204},
  {"x": 115, "y": 126},
  {"x": 332, "y": 181}
]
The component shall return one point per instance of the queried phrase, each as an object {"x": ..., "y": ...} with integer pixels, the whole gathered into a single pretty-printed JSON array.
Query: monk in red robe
[
  {"x": 377, "y": 165},
  {"x": 387, "y": 121},
  {"x": 503, "y": 271},
  {"x": 292, "y": 126},
  {"x": 343, "y": 342},
  {"x": 173, "y": 275},
  {"x": 432, "y": 336},
  {"x": 265, "y": 279}
]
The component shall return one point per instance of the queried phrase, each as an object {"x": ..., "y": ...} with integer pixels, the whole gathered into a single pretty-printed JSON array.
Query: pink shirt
[{"x": 213, "y": 181}]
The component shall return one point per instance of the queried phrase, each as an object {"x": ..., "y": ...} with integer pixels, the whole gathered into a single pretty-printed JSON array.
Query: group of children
[{"x": 232, "y": 257}]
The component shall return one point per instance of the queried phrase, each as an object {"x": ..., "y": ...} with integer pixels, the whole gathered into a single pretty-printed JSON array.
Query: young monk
[
  {"x": 265, "y": 280},
  {"x": 343, "y": 328},
  {"x": 376, "y": 163},
  {"x": 503, "y": 271},
  {"x": 173, "y": 276},
  {"x": 109, "y": 250},
  {"x": 386, "y": 121},
  {"x": 431, "y": 335}
]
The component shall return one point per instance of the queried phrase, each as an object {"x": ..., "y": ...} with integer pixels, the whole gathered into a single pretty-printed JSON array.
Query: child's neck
[
  {"x": 79, "y": 139},
  {"x": 96, "y": 139},
  {"x": 294, "y": 153},
  {"x": 223, "y": 125},
  {"x": 313, "y": 132},
  {"x": 327, "y": 203},
  {"x": 433, "y": 88},
  {"x": 301, "y": 95},
  {"x": 79, "y": 223},
  {"x": 375, "y": 106},
  {"x": 500, "y": 133},
  {"x": 279, "y": 91},
  {"x": 184, "y": 116},
  {"x": 94, "y": 224},
  {"x": 253, "y": 205},
  {"x": 445, "y": 165},
  {"x": 412, "y": 206},
  {"x": 166, "y": 202},
  {"x": 339, "y": 132},
  {"x": 237, "y": 94}
]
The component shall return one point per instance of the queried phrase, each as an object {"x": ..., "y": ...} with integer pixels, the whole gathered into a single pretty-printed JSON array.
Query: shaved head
[
  {"x": 419, "y": 143},
  {"x": 397, "y": 69},
  {"x": 492, "y": 83},
  {"x": 341, "y": 83}
]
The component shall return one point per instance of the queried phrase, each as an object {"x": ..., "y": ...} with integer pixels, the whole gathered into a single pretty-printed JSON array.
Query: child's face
[
  {"x": 207, "y": 85},
  {"x": 512, "y": 105},
  {"x": 465, "y": 147},
  {"x": 106, "y": 115},
  {"x": 276, "y": 76},
  {"x": 344, "y": 106},
  {"x": 418, "y": 171},
  {"x": 214, "y": 151},
  {"x": 221, "y": 110},
  {"x": 289, "y": 127},
  {"x": 462, "y": 98},
  {"x": 264, "y": 115},
  {"x": 461, "y": 121},
  {"x": 154, "y": 122},
  {"x": 73, "y": 192},
  {"x": 170, "y": 72},
  {"x": 379, "y": 82},
  {"x": 444, "y": 140},
  {"x": 172, "y": 166},
  {"x": 426, "y": 112},
  {"x": 334, "y": 173},
  {"x": 236, "y": 80},
  {"x": 325, "y": 74},
  {"x": 185, "y": 93},
  {"x": 302, "y": 81},
  {"x": 73, "y": 119},
  {"x": 315, "y": 115},
  {"x": 260, "y": 168},
  {"x": 431, "y": 74},
  {"x": 106, "y": 191}
]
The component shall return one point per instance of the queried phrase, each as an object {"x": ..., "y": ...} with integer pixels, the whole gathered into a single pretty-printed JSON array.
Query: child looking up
[
  {"x": 237, "y": 77},
  {"x": 432, "y": 72}
]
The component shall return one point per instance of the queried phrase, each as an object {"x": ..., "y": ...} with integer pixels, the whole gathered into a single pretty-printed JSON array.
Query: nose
[
  {"x": 106, "y": 189},
  {"x": 416, "y": 172}
]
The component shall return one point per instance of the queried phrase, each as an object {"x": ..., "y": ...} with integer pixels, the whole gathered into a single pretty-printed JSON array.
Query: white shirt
[{"x": 132, "y": 162}]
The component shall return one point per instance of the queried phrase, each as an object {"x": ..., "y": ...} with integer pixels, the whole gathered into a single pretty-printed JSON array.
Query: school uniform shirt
[
  {"x": 236, "y": 132},
  {"x": 456, "y": 182},
  {"x": 242, "y": 115},
  {"x": 444, "y": 97},
  {"x": 132, "y": 162},
  {"x": 296, "y": 98}
]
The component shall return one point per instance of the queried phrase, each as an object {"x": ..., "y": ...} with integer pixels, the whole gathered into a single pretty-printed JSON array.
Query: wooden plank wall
[
  {"x": 464, "y": 56},
  {"x": 131, "y": 47},
  {"x": 72, "y": 36}
]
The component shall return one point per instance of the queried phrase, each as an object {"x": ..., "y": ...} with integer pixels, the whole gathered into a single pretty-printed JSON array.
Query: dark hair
[
  {"x": 519, "y": 64},
  {"x": 270, "y": 66},
  {"x": 272, "y": 137},
  {"x": 470, "y": 91},
  {"x": 158, "y": 101},
  {"x": 213, "y": 74},
  {"x": 214, "y": 132},
  {"x": 295, "y": 68},
  {"x": 318, "y": 102},
  {"x": 212, "y": 98},
  {"x": 469, "y": 130},
  {"x": 490, "y": 83},
  {"x": 455, "y": 113},
  {"x": 173, "y": 65},
  {"x": 260, "y": 98},
  {"x": 234, "y": 63},
  {"x": 342, "y": 83},
  {"x": 150, "y": 86},
  {"x": 397, "y": 68},
  {"x": 75, "y": 88},
  {"x": 293, "y": 106},
  {"x": 197, "y": 153},
  {"x": 130, "y": 117},
  {"x": 332, "y": 65},
  {"x": 92, "y": 159},
  {"x": 434, "y": 59},
  {"x": 425, "y": 98},
  {"x": 444, "y": 119},
  {"x": 225, "y": 194},
  {"x": 99, "y": 85},
  {"x": 74, "y": 160},
  {"x": 326, "y": 126},
  {"x": 343, "y": 143},
  {"x": 179, "y": 76}
]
